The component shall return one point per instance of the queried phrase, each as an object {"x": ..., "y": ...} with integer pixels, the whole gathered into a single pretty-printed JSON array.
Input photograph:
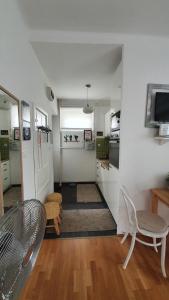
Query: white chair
[{"x": 148, "y": 224}]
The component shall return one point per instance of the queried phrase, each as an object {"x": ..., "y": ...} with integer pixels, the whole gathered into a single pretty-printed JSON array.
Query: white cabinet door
[
  {"x": 108, "y": 182},
  {"x": 113, "y": 192},
  {"x": 105, "y": 176},
  {"x": 5, "y": 175}
]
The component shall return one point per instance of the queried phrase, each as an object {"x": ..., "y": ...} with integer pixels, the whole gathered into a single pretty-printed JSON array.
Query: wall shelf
[{"x": 162, "y": 140}]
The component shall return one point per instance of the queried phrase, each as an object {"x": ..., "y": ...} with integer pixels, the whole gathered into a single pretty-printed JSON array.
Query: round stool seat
[{"x": 54, "y": 197}]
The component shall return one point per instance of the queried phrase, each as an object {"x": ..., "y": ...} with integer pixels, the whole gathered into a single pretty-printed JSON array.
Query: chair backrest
[{"x": 131, "y": 211}]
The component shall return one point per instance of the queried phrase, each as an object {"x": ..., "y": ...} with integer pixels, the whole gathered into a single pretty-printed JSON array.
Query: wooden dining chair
[{"x": 147, "y": 224}]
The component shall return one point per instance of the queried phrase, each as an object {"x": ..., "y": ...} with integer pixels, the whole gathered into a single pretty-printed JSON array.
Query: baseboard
[{"x": 75, "y": 182}]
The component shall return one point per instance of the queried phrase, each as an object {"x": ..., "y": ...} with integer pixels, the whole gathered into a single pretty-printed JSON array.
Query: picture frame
[
  {"x": 17, "y": 134},
  {"x": 88, "y": 135},
  {"x": 72, "y": 139},
  {"x": 26, "y": 133}
]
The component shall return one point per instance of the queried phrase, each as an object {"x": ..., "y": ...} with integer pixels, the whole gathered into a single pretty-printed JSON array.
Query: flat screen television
[{"x": 161, "y": 107}]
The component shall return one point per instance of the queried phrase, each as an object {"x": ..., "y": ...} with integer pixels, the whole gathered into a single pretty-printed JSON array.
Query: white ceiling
[
  {"x": 120, "y": 16},
  {"x": 70, "y": 66}
]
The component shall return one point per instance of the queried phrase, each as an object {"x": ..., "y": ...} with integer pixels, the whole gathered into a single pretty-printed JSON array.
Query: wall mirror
[{"x": 11, "y": 185}]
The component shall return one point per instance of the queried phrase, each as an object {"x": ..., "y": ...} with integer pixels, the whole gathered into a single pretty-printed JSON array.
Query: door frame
[{"x": 4, "y": 90}]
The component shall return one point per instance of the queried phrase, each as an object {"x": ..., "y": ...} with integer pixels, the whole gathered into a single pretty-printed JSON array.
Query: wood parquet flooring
[{"x": 91, "y": 269}]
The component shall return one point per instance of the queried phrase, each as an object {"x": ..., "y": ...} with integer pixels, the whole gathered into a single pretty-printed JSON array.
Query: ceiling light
[{"x": 88, "y": 109}]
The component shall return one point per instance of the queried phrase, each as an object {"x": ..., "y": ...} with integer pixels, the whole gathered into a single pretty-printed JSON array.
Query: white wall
[
  {"x": 78, "y": 165},
  {"x": 22, "y": 75},
  {"x": 144, "y": 163}
]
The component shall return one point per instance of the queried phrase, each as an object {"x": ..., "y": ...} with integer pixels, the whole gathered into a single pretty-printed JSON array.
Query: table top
[{"x": 162, "y": 194}]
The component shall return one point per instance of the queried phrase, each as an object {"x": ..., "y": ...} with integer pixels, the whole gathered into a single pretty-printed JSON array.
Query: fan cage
[{"x": 21, "y": 232}]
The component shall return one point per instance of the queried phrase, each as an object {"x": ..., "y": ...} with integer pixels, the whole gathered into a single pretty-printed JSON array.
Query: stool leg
[
  {"x": 58, "y": 219},
  {"x": 57, "y": 227}
]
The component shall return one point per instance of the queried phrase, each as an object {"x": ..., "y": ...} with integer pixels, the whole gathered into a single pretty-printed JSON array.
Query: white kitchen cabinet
[
  {"x": 102, "y": 179},
  {"x": 5, "y": 175},
  {"x": 113, "y": 192},
  {"x": 108, "y": 182}
]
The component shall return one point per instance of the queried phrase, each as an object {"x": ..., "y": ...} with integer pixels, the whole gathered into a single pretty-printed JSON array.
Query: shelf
[{"x": 162, "y": 140}]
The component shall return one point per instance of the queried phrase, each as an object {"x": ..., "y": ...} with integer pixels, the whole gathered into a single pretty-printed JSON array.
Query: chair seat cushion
[{"x": 151, "y": 222}]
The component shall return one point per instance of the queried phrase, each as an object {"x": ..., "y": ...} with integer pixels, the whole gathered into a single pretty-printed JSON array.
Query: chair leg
[
  {"x": 130, "y": 251},
  {"x": 163, "y": 251},
  {"x": 124, "y": 238},
  {"x": 154, "y": 242}
]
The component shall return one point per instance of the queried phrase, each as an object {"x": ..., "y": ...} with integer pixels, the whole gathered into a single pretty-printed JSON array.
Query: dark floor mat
[
  {"x": 63, "y": 235},
  {"x": 84, "y": 205},
  {"x": 69, "y": 192}
]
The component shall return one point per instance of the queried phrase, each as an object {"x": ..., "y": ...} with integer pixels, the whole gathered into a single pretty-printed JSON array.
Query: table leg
[{"x": 154, "y": 204}]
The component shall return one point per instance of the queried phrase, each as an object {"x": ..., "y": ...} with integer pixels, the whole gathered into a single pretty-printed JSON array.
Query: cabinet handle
[
  {"x": 5, "y": 170},
  {"x": 6, "y": 178}
]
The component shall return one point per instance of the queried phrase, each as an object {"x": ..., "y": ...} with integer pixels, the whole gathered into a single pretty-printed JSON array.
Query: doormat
[
  {"x": 87, "y": 193},
  {"x": 84, "y": 223}
]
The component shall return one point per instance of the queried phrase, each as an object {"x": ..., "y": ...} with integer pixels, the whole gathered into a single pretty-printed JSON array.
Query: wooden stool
[
  {"x": 55, "y": 197},
  {"x": 52, "y": 213}
]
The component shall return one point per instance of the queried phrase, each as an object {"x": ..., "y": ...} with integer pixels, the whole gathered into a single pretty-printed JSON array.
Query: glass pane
[{"x": 71, "y": 117}]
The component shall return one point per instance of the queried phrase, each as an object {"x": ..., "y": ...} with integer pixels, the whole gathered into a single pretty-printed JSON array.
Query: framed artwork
[
  {"x": 71, "y": 139},
  {"x": 88, "y": 135},
  {"x": 26, "y": 133},
  {"x": 16, "y": 134}
]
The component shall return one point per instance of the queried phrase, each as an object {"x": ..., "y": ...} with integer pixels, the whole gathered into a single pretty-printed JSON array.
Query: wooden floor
[{"x": 91, "y": 269}]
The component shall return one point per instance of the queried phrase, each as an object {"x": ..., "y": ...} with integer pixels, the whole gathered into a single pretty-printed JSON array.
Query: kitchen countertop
[{"x": 104, "y": 163}]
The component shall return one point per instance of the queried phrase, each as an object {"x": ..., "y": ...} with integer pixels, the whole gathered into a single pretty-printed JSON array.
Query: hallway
[
  {"x": 91, "y": 269},
  {"x": 84, "y": 212}
]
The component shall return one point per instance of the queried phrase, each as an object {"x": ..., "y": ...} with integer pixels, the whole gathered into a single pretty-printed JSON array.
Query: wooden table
[{"x": 159, "y": 195}]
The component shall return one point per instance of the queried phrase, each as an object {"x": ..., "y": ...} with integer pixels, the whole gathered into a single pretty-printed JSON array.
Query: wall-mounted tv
[
  {"x": 157, "y": 106},
  {"x": 161, "y": 107}
]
